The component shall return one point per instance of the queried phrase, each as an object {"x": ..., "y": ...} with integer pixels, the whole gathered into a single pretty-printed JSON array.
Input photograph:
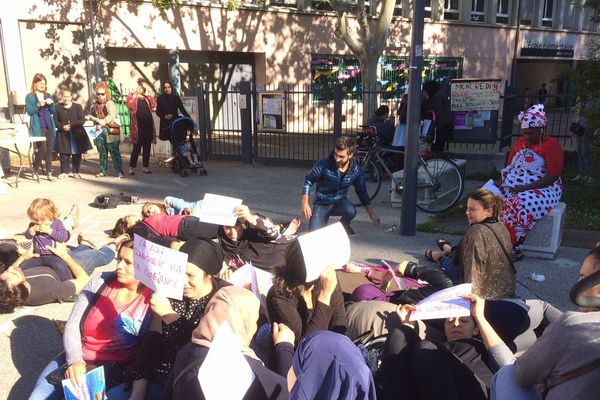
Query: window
[
  {"x": 451, "y": 10},
  {"x": 478, "y": 11},
  {"x": 548, "y": 13},
  {"x": 428, "y": 9},
  {"x": 398, "y": 8},
  {"x": 502, "y": 13}
]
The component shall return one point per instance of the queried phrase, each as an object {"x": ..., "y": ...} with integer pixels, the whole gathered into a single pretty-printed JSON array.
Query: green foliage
[{"x": 583, "y": 208}]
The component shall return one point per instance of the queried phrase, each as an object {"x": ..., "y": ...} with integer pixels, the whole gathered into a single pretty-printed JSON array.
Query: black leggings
[
  {"x": 143, "y": 144},
  {"x": 422, "y": 370},
  {"x": 43, "y": 151},
  {"x": 191, "y": 228}
]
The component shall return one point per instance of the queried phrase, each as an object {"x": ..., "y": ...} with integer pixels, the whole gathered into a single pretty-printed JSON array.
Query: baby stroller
[{"x": 182, "y": 130}]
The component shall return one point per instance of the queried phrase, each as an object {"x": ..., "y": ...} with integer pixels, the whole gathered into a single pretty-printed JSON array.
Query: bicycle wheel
[
  {"x": 373, "y": 181},
  {"x": 439, "y": 185}
]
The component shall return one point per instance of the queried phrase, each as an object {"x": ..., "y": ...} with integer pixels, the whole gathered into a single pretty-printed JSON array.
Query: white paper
[
  {"x": 218, "y": 209},
  {"x": 399, "y": 135},
  {"x": 489, "y": 185},
  {"x": 399, "y": 282},
  {"x": 245, "y": 275},
  {"x": 326, "y": 246},
  {"x": 446, "y": 303},
  {"x": 159, "y": 268},
  {"x": 225, "y": 373}
]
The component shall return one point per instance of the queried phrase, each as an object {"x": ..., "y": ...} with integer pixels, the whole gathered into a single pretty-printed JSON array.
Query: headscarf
[
  {"x": 233, "y": 304},
  {"x": 533, "y": 117},
  {"x": 173, "y": 89},
  {"x": 329, "y": 366},
  {"x": 204, "y": 254}
]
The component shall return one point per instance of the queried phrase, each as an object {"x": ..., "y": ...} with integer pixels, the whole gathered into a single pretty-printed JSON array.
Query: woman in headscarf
[
  {"x": 240, "y": 308},
  {"x": 174, "y": 320},
  {"x": 328, "y": 365},
  {"x": 143, "y": 134},
  {"x": 103, "y": 114},
  {"x": 305, "y": 305},
  {"x": 531, "y": 181},
  {"x": 168, "y": 106}
]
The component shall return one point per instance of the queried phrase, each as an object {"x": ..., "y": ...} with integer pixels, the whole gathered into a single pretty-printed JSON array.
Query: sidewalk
[{"x": 27, "y": 337}]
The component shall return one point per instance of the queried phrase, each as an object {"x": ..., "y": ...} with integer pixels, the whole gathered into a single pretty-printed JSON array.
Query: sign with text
[
  {"x": 446, "y": 303},
  {"x": 326, "y": 246},
  {"x": 271, "y": 110},
  {"x": 548, "y": 44},
  {"x": 159, "y": 268},
  {"x": 475, "y": 94},
  {"x": 218, "y": 209},
  {"x": 93, "y": 387}
]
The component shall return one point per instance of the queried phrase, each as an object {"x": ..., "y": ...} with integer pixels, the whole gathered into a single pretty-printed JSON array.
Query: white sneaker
[{"x": 62, "y": 176}]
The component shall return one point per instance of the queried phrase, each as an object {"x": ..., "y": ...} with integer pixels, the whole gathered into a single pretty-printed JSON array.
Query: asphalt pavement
[{"x": 28, "y": 339}]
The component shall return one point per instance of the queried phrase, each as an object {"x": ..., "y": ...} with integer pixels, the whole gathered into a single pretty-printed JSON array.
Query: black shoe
[{"x": 349, "y": 230}]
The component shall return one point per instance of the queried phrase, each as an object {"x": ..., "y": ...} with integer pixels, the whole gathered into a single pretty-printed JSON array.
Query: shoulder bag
[
  {"x": 571, "y": 375},
  {"x": 502, "y": 247}
]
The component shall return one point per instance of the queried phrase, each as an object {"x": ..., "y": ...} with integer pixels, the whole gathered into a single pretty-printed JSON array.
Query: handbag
[
  {"x": 577, "y": 128},
  {"x": 113, "y": 128},
  {"x": 571, "y": 375}
]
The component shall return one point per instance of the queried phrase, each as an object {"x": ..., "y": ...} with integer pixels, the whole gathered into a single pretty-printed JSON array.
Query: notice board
[
  {"x": 475, "y": 104},
  {"x": 271, "y": 111}
]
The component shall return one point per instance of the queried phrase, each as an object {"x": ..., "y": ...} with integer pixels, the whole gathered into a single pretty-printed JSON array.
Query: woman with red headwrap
[{"x": 531, "y": 181}]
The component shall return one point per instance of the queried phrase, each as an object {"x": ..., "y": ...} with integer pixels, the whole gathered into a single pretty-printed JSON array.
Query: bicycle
[{"x": 439, "y": 181}]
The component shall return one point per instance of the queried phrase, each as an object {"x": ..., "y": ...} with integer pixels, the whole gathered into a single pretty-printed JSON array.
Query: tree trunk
[{"x": 370, "y": 85}]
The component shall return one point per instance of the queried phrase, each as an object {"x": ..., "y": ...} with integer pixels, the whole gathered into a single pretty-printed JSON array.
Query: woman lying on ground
[
  {"x": 436, "y": 280},
  {"x": 175, "y": 320},
  {"x": 240, "y": 308},
  {"x": 305, "y": 307},
  {"x": 41, "y": 285},
  {"x": 570, "y": 343},
  {"x": 328, "y": 365},
  {"x": 254, "y": 239},
  {"x": 172, "y": 206},
  {"x": 483, "y": 255},
  {"x": 460, "y": 367},
  {"x": 105, "y": 328}
]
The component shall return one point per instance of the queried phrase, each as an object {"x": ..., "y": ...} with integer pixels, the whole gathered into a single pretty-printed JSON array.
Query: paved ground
[{"x": 27, "y": 336}]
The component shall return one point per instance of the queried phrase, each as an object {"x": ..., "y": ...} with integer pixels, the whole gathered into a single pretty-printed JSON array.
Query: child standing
[{"x": 46, "y": 230}]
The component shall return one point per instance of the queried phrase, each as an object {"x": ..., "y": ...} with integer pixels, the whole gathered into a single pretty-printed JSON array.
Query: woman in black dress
[
  {"x": 142, "y": 127},
  {"x": 168, "y": 106},
  {"x": 71, "y": 139}
]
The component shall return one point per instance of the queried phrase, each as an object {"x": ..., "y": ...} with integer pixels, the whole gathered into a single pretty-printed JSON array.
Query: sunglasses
[{"x": 100, "y": 93}]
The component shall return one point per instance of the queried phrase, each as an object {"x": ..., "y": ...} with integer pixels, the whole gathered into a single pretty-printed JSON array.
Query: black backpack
[{"x": 112, "y": 200}]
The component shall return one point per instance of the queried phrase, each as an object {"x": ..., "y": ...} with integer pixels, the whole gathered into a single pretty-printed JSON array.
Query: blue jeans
[
  {"x": 176, "y": 205},
  {"x": 449, "y": 267},
  {"x": 43, "y": 390},
  {"x": 90, "y": 258},
  {"x": 322, "y": 212},
  {"x": 504, "y": 387}
]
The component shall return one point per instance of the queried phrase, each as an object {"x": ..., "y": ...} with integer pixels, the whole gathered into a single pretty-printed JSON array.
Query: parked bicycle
[{"x": 439, "y": 181}]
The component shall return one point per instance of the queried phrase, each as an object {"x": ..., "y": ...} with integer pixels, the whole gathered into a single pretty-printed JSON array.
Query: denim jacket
[{"x": 332, "y": 186}]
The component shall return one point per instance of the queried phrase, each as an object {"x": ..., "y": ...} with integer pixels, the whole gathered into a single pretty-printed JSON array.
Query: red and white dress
[{"x": 525, "y": 166}]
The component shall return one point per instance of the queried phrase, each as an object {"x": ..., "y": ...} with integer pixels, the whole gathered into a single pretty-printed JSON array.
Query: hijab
[
  {"x": 329, "y": 366},
  {"x": 533, "y": 117},
  {"x": 233, "y": 304}
]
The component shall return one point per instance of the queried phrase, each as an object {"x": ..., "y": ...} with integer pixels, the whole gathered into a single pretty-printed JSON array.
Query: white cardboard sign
[
  {"x": 225, "y": 373},
  {"x": 159, "y": 268},
  {"x": 326, "y": 246},
  {"x": 489, "y": 185},
  {"x": 446, "y": 303},
  {"x": 219, "y": 210},
  {"x": 260, "y": 280}
]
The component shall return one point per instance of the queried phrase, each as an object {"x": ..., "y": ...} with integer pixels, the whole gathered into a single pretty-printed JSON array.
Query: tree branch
[
  {"x": 351, "y": 42},
  {"x": 383, "y": 23}
]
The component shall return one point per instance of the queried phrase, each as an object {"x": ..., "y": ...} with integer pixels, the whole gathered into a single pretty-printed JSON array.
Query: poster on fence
[
  {"x": 190, "y": 103},
  {"x": 475, "y": 94},
  {"x": 446, "y": 303},
  {"x": 159, "y": 268},
  {"x": 271, "y": 110}
]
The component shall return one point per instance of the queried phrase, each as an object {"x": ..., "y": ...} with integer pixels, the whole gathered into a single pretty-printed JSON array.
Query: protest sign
[
  {"x": 219, "y": 210},
  {"x": 249, "y": 274},
  {"x": 326, "y": 246},
  {"x": 444, "y": 304},
  {"x": 93, "y": 387},
  {"x": 489, "y": 185},
  {"x": 159, "y": 268},
  {"x": 225, "y": 373},
  {"x": 475, "y": 94}
]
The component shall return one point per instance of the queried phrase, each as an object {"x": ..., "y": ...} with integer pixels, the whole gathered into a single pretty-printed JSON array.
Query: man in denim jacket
[{"x": 333, "y": 176}]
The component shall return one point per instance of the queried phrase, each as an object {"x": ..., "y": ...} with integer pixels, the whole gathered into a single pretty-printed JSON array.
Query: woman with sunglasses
[{"x": 104, "y": 113}]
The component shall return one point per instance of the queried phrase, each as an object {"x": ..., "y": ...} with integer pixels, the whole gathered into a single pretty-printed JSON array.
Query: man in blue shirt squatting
[{"x": 333, "y": 176}]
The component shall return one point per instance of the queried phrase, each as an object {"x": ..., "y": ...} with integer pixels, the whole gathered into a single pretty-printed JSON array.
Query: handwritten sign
[
  {"x": 446, "y": 303},
  {"x": 225, "y": 373},
  {"x": 271, "y": 107},
  {"x": 159, "y": 268},
  {"x": 93, "y": 387},
  {"x": 326, "y": 246},
  {"x": 475, "y": 95},
  {"x": 260, "y": 280},
  {"x": 218, "y": 209}
]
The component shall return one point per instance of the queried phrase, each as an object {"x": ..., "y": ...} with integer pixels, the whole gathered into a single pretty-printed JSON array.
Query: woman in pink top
[{"x": 105, "y": 328}]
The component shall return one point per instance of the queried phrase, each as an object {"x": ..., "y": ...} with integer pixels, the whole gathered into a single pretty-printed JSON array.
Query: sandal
[
  {"x": 429, "y": 255},
  {"x": 100, "y": 175},
  {"x": 517, "y": 256},
  {"x": 441, "y": 243}
]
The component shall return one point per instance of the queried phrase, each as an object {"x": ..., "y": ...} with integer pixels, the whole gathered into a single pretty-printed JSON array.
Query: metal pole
[
  {"x": 513, "y": 70},
  {"x": 11, "y": 106},
  {"x": 408, "y": 216}
]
